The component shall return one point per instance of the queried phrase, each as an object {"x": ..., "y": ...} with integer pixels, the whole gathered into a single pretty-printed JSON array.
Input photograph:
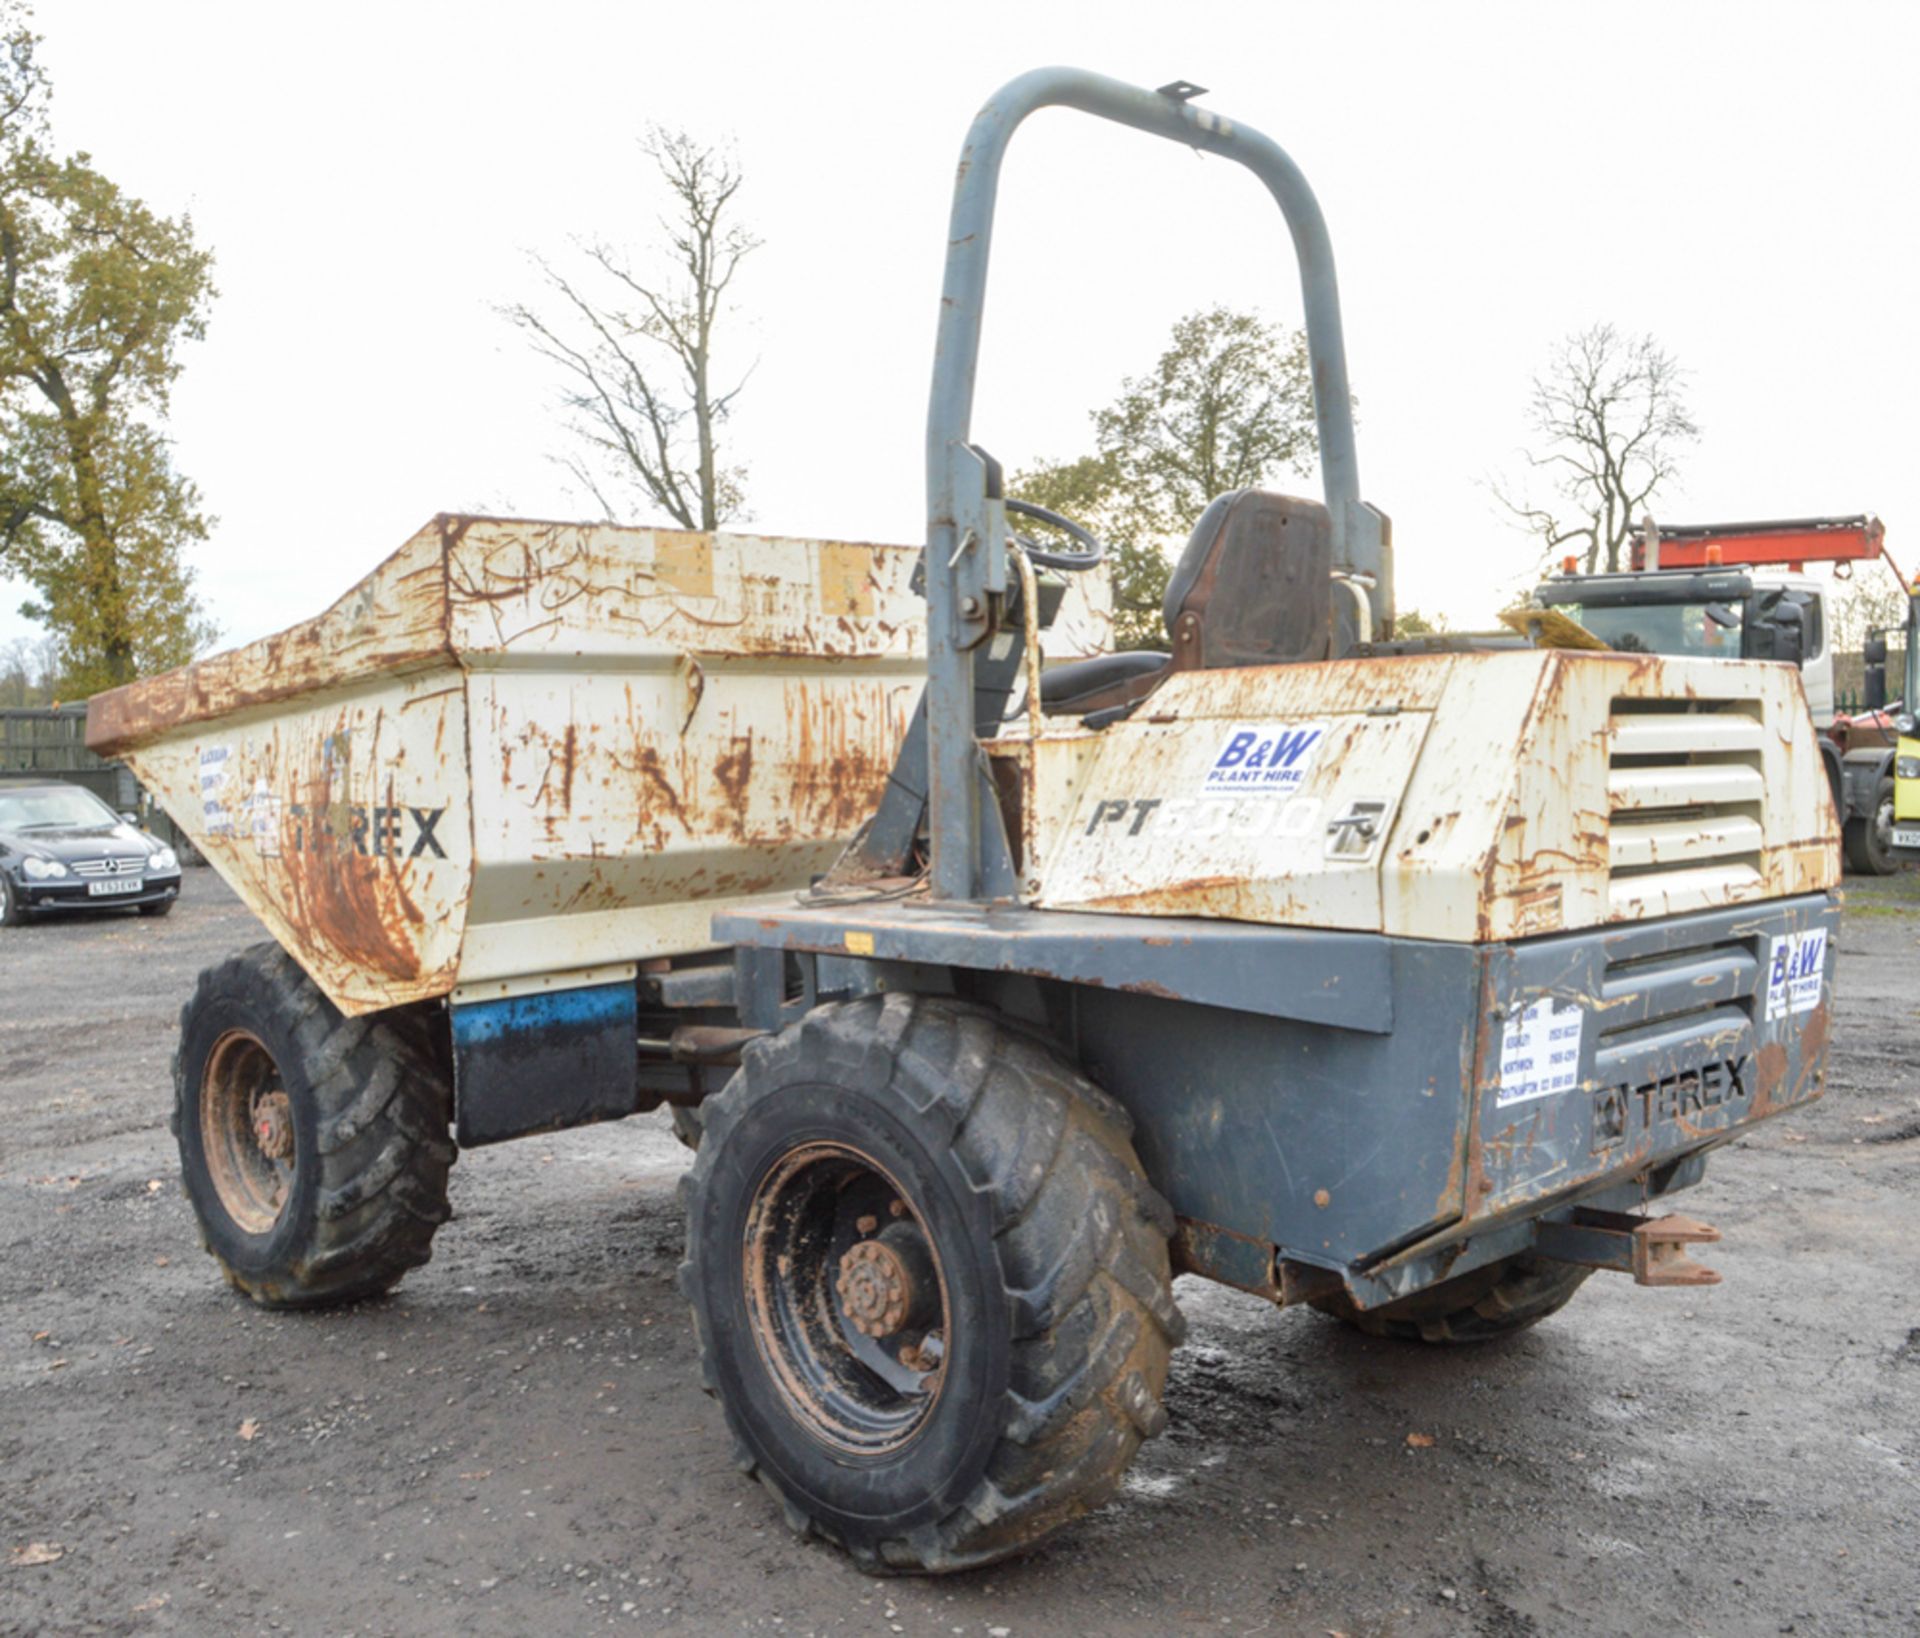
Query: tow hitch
[{"x": 1652, "y": 1249}]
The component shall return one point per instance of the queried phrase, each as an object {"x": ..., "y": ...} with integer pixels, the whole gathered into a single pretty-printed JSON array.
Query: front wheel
[
  {"x": 1478, "y": 1306},
  {"x": 12, "y": 911},
  {"x": 930, "y": 1282},
  {"x": 1869, "y": 839},
  {"x": 313, "y": 1147}
]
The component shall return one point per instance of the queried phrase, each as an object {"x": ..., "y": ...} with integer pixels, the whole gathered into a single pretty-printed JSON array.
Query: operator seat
[{"x": 1253, "y": 587}]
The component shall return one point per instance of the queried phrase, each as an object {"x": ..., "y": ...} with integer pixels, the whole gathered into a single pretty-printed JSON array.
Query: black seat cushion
[
  {"x": 1253, "y": 587},
  {"x": 1063, "y": 686}
]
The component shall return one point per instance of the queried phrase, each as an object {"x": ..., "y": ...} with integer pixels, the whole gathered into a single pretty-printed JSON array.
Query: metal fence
[
  {"x": 1850, "y": 676},
  {"x": 50, "y": 742}
]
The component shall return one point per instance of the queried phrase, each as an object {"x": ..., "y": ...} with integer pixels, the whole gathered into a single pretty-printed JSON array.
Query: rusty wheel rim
[
  {"x": 846, "y": 1298},
  {"x": 246, "y": 1131}
]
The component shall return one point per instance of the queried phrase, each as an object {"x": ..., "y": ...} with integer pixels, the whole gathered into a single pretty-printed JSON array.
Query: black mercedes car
[{"x": 62, "y": 848}]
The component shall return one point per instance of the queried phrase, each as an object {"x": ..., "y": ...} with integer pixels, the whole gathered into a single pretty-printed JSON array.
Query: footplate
[{"x": 1653, "y": 1250}]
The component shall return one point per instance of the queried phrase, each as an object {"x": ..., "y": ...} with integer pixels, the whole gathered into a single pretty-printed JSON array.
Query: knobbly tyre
[{"x": 1408, "y": 985}]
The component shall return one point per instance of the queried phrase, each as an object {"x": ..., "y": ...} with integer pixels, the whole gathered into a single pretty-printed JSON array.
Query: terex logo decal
[
  {"x": 1684, "y": 1098},
  {"x": 353, "y": 827},
  {"x": 1264, "y": 759}
]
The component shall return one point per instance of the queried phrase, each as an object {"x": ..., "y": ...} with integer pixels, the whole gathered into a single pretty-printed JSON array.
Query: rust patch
[
  {"x": 394, "y": 620},
  {"x": 1771, "y": 1093},
  {"x": 654, "y": 772},
  {"x": 1222, "y": 1254},
  {"x": 338, "y": 893},
  {"x": 734, "y": 772},
  {"x": 1769, "y": 1074},
  {"x": 1813, "y": 1053}
]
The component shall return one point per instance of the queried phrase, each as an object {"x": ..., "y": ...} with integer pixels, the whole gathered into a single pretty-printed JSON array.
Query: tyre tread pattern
[
  {"x": 1528, "y": 1290},
  {"x": 1094, "y": 1325},
  {"x": 384, "y": 1097},
  {"x": 1860, "y": 838}
]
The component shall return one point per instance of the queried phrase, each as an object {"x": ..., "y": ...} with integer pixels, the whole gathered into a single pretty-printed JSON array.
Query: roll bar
[{"x": 966, "y": 526}]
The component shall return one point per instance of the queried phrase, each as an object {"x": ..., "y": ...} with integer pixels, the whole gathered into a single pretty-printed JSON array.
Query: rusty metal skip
[{"x": 996, "y": 977}]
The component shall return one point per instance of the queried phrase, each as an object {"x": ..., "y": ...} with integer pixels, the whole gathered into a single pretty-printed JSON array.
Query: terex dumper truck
[{"x": 1411, "y": 986}]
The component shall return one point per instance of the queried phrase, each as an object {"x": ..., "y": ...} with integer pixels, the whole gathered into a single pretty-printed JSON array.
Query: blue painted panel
[
  {"x": 538, "y": 1063},
  {"x": 599, "y": 1005}
]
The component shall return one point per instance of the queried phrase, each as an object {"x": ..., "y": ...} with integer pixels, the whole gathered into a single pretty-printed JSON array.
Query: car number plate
[
  {"x": 101, "y": 890},
  {"x": 1906, "y": 835}
]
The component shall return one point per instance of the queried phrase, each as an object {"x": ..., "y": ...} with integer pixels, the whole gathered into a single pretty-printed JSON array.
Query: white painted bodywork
[
  {"x": 610, "y": 734},
  {"x": 1512, "y": 794},
  {"x": 522, "y": 754}
]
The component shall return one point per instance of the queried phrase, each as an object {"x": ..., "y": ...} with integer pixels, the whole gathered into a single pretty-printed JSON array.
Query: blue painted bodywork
[
  {"x": 538, "y": 1063},
  {"x": 1363, "y": 1129}
]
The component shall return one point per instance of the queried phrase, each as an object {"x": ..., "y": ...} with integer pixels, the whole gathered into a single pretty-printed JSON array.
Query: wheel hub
[
  {"x": 246, "y": 1131},
  {"x": 876, "y": 1289},
  {"x": 846, "y": 1298},
  {"x": 273, "y": 1125}
]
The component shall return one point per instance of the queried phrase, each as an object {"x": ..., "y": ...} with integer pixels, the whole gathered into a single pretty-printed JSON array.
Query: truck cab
[
  {"x": 1740, "y": 591},
  {"x": 1714, "y": 613}
]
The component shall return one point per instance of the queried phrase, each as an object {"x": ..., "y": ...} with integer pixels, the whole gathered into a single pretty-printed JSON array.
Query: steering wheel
[{"x": 1094, "y": 554}]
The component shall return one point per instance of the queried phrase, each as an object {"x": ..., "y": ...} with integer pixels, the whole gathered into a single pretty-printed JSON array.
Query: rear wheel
[
  {"x": 1869, "y": 839},
  {"x": 314, "y": 1147},
  {"x": 930, "y": 1282},
  {"x": 1477, "y": 1306}
]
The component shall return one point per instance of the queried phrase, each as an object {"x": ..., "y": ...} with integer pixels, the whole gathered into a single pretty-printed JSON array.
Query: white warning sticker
[
  {"x": 213, "y": 769},
  {"x": 214, "y": 761},
  {"x": 264, "y": 818},
  {"x": 1794, "y": 974},
  {"x": 1540, "y": 1051}
]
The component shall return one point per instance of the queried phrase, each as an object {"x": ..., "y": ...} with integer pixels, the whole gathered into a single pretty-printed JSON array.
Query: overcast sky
[{"x": 1742, "y": 181}]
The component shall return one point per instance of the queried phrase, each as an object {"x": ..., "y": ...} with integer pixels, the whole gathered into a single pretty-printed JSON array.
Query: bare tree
[
  {"x": 29, "y": 667},
  {"x": 1872, "y": 600},
  {"x": 635, "y": 344},
  {"x": 1609, "y": 419}
]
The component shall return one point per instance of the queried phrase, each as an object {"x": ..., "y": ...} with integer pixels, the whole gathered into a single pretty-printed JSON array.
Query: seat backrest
[{"x": 1254, "y": 585}]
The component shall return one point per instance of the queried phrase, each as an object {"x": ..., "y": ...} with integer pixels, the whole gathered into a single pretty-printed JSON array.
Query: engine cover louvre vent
[{"x": 1685, "y": 786}]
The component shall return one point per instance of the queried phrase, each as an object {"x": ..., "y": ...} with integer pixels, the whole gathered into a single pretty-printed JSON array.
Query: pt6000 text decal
[{"x": 1163, "y": 816}]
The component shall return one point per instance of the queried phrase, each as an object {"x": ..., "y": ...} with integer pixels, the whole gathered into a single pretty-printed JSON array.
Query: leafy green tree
[
  {"x": 97, "y": 294},
  {"x": 1412, "y": 623},
  {"x": 1228, "y": 405}
]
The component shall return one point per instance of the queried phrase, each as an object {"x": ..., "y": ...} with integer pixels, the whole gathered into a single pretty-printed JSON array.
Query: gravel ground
[{"x": 517, "y": 1442}]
